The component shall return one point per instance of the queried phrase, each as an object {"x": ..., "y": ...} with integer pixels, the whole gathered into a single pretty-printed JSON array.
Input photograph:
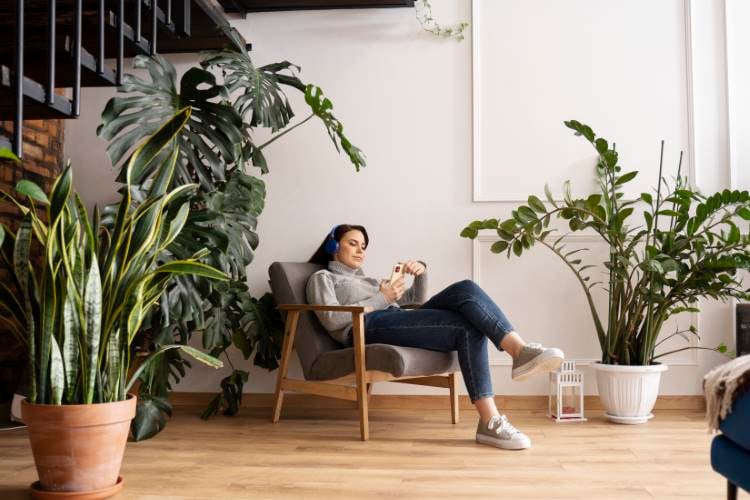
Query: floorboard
[{"x": 315, "y": 453}]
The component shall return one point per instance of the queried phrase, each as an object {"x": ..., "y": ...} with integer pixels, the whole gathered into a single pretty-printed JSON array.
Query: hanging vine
[{"x": 423, "y": 11}]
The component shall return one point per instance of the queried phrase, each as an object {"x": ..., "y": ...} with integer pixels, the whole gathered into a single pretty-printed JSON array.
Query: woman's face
[{"x": 352, "y": 249}]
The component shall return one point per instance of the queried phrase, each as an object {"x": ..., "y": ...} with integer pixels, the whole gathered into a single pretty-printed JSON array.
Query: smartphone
[{"x": 397, "y": 272}]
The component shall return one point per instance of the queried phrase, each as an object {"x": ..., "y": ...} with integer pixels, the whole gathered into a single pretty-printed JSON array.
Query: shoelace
[
  {"x": 534, "y": 345},
  {"x": 500, "y": 423}
]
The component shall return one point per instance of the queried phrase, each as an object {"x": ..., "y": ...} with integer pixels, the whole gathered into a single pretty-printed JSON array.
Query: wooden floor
[{"x": 313, "y": 453}]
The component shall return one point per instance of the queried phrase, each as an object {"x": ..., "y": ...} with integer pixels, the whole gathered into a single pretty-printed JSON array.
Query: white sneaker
[
  {"x": 499, "y": 433},
  {"x": 535, "y": 358}
]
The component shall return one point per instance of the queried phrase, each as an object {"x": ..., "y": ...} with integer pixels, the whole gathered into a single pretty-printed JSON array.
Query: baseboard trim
[{"x": 416, "y": 402}]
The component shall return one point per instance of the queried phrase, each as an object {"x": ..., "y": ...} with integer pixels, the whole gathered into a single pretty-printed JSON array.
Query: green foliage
[
  {"x": 215, "y": 147},
  {"x": 689, "y": 247},
  {"x": 82, "y": 302}
]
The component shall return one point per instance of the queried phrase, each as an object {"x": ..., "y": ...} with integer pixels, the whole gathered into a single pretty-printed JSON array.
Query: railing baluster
[
  {"x": 18, "y": 123},
  {"x": 100, "y": 39},
  {"x": 120, "y": 40},
  {"x": 169, "y": 12},
  {"x": 154, "y": 20},
  {"x": 137, "y": 21},
  {"x": 51, "y": 34},
  {"x": 77, "y": 59}
]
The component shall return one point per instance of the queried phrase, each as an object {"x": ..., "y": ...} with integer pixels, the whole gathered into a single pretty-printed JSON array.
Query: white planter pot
[{"x": 628, "y": 393}]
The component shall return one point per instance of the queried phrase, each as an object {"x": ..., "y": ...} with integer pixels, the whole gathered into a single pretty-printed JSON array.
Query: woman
[{"x": 460, "y": 318}]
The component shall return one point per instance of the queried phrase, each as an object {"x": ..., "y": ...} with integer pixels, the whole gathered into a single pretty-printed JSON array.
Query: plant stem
[
  {"x": 277, "y": 136},
  {"x": 684, "y": 349},
  {"x": 650, "y": 272}
]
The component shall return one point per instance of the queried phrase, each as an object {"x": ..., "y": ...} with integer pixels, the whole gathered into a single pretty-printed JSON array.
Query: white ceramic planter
[{"x": 628, "y": 393}]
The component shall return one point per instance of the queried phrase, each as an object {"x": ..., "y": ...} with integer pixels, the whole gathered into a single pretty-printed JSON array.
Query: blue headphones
[{"x": 332, "y": 246}]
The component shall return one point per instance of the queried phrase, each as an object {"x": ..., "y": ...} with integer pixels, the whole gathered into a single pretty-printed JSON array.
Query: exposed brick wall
[{"x": 42, "y": 161}]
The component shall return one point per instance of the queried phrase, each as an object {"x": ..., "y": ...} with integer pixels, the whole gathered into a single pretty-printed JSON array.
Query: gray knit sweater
[{"x": 341, "y": 285}]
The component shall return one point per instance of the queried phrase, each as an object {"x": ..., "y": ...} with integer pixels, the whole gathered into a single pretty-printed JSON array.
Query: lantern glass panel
[{"x": 570, "y": 401}]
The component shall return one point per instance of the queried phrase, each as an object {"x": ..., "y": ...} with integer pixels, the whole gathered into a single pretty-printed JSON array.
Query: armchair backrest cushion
[{"x": 288, "y": 282}]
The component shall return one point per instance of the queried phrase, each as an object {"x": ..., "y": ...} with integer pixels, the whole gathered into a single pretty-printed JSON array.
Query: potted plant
[
  {"x": 689, "y": 246},
  {"x": 80, "y": 289},
  {"x": 231, "y": 99}
]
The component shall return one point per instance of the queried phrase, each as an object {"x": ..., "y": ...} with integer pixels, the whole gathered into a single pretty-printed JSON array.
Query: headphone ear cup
[{"x": 332, "y": 246}]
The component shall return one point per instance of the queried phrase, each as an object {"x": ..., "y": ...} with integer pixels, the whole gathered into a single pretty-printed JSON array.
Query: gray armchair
[{"x": 334, "y": 370}]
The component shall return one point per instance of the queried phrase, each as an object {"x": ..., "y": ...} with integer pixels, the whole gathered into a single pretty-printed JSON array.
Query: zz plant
[
  {"x": 80, "y": 288},
  {"x": 689, "y": 246}
]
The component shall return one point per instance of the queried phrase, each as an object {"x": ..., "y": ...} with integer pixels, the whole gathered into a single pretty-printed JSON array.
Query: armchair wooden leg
[
  {"x": 369, "y": 393},
  {"x": 286, "y": 353},
  {"x": 361, "y": 381},
  {"x": 731, "y": 491},
  {"x": 453, "y": 386}
]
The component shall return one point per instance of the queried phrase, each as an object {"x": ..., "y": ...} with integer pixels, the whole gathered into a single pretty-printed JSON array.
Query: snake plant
[{"x": 80, "y": 288}]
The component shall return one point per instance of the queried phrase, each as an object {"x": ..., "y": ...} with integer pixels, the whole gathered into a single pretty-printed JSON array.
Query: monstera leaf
[{"x": 210, "y": 142}]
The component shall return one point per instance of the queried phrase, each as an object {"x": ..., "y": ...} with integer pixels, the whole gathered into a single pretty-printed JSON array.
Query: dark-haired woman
[{"x": 461, "y": 318}]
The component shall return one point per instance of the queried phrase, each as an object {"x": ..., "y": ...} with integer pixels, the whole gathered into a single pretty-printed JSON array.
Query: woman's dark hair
[{"x": 322, "y": 257}]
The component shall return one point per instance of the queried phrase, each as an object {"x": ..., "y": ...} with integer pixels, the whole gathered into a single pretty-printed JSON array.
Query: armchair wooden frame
[{"x": 356, "y": 386}]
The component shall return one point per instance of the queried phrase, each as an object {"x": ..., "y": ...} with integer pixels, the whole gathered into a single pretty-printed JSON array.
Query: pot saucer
[
  {"x": 38, "y": 493},
  {"x": 629, "y": 420}
]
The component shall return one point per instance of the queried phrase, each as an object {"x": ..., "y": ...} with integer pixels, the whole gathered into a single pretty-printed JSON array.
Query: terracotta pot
[{"x": 78, "y": 447}]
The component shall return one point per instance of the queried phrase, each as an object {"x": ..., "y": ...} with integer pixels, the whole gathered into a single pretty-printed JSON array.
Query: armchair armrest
[
  {"x": 358, "y": 329},
  {"x": 320, "y": 307}
]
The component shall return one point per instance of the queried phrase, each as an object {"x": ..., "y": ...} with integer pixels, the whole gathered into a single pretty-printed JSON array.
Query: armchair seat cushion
[{"x": 398, "y": 361}]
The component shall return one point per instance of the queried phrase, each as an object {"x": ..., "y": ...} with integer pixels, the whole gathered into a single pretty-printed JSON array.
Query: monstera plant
[{"x": 216, "y": 147}]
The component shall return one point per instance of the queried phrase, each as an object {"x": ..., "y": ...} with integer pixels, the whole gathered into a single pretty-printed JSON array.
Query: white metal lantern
[{"x": 566, "y": 393}]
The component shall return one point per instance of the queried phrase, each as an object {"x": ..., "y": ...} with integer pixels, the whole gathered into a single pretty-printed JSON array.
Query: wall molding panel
[{"x": 540, "y": 68}]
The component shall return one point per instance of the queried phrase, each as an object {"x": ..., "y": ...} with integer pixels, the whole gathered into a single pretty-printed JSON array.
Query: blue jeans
[{"x": 460, "y": 318}]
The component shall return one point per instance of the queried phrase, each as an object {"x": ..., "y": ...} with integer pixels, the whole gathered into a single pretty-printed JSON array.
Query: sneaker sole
[
  {"x": 500, "y": 444},
  {"x": 549, "y": 360}
]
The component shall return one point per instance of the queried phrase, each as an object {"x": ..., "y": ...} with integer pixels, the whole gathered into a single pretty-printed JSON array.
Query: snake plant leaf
[
  {"x": 144, "y": 160},
  {"x": 47, "y": 330},
  {"x": 135, "y": 314},
  {"x": 192, "y": 351},
  {"x": 32, "y": 190},
  {"x": 114, "y": 366},
  {"x": 21, "y": 252},
  {"x": 60, "y": 193},
  {"x": 57, "y": 373},
  {"x": 176, "y": 225},
  {"x": 70, "y": 351},
  {"x": 192, "y": 268},
  {"x": 93, "y": 317}
]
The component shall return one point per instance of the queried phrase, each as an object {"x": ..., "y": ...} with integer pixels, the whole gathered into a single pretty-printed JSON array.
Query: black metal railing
[{"x": 25, "y": 91}]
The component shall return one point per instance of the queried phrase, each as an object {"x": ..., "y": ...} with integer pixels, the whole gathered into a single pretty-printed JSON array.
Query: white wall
[{"x": 405, "y": 98}]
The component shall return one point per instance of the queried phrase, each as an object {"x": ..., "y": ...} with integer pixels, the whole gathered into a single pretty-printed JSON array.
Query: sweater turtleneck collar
[{"x": 340, "y": 268}]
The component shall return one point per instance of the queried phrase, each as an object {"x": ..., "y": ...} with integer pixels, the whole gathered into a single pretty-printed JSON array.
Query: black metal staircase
[{"x": 48, "y": 45}]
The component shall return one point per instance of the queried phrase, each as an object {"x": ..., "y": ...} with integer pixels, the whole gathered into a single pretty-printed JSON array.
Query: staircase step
[
  {"x": 36, "y": 68},
  {"x": 35, "y": 106}
]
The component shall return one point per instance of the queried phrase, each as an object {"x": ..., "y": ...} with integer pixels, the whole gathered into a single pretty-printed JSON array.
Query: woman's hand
[
  {"x": 414, "y": 267},
  {"x": 393, "y": 292}
]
